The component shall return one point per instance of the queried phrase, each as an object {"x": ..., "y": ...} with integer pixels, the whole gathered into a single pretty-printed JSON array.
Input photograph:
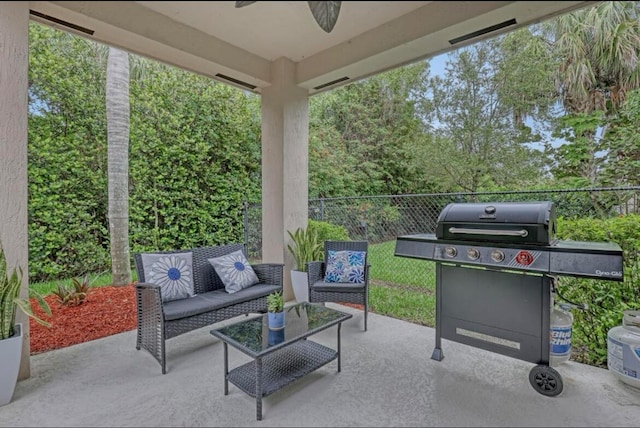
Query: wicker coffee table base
[{"x": 266, "y": 375}]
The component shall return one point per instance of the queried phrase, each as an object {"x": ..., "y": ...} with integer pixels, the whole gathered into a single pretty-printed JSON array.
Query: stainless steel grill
[{"x": 496, "y": 266}]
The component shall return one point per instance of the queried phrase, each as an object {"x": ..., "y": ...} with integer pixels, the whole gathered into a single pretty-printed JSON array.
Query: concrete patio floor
[{"x": 387, "y": 379}]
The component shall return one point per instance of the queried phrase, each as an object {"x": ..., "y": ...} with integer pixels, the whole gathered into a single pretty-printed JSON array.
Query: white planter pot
[
  {"x": 10, "y": 353},
  {"x": 300, "y": 285}
]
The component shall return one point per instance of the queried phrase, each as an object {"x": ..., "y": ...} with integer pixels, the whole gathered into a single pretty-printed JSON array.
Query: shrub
[
  {"x": 328, "y": 231},
  {"x": 606, "y": 300}
]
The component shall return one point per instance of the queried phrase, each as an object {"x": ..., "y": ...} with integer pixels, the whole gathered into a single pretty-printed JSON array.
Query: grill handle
[{"x": 522, "y": 233}]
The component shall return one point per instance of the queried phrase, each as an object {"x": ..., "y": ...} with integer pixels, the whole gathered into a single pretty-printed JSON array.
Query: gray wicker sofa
[{"x": 159, "y": 321}]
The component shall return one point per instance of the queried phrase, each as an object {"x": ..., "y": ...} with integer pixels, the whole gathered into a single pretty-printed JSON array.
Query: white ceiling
[
  {"x": 272, "y": 29},
  {"x": 216, "y": 39}
]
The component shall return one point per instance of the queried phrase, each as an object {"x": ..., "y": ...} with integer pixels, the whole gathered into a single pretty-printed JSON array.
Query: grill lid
[{"x": 514, "y": 222}]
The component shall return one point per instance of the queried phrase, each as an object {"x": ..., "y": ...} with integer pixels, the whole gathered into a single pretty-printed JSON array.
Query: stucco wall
[{"x": 14, "y": 62}]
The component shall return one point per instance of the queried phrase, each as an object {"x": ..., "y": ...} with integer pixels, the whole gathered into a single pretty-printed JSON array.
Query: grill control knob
[
  {"x": 497, "y": 256},
  {"x": 473, "y": 254},
  {"x": 450, "y": 251},
  {"x": 524, "y": 258}
]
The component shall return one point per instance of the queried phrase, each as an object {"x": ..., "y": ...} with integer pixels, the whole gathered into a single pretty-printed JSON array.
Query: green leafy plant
[
  {"x": 606, "y": 301},
  {"x": 328, "y": 231},
  {"x": 275, "y": 302},
  {"x": 10, "y": 299},
  {"x": 306, "y": 247},
  {"x": 74, "y": 295}
]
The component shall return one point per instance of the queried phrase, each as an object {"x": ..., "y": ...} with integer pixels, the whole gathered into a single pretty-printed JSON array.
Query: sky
[{"x": 437, "y": 64}]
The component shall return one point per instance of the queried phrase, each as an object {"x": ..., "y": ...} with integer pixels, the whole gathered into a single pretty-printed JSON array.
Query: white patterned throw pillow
[
  {"x": 345, "y": 267},
  {"x": 172, "y": 272},
  {"x": 235, "y": 271}
]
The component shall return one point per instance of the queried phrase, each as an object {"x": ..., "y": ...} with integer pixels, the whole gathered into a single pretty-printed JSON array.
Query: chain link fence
[{"x": 381, "y": 219}]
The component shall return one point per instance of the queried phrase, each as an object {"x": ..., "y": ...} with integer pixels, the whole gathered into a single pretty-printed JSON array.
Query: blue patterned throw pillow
[
  {"x": 172, "y": 272},
  {"x": 235, "y": 271},
  {"x": 345, "y": 266}
]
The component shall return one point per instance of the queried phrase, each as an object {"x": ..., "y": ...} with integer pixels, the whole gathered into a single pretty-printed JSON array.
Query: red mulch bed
[
  {"x": 105, "y": 311},
  {"x": 355, "y": 306}
]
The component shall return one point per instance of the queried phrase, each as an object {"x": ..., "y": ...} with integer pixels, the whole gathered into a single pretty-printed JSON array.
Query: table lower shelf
[{"x": 282, "y": 367}]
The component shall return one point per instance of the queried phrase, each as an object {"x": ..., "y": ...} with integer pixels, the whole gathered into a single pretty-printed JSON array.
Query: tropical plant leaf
[
  {"x": 24, "y": 305},
  {"x": 43, "y": 304},
  {"x": 10, "y": 299},
  {"x": 306, "y": 247}
]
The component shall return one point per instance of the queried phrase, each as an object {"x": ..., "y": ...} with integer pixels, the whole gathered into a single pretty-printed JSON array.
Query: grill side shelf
[
  {"x": 597, "y": 260},
  {"x": 420, "y": 248}
]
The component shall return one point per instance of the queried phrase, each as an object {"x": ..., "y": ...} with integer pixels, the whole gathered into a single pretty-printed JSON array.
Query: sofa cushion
[
  {"x": 337, "y": 286},
  {"x": 214, "y": 300},
  {"x": 173, "y": 272},
  {"x": 235, "y": 271},
  {"x": 345, "y": 267}
]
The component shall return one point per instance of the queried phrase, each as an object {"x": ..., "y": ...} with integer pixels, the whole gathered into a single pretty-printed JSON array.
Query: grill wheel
[{"x": 546, "y": 380}]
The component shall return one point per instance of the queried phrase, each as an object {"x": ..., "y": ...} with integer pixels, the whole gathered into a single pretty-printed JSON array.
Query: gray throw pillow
[
  {"x": 235, "y": 271},
  {"x": 172, "y": 272}
]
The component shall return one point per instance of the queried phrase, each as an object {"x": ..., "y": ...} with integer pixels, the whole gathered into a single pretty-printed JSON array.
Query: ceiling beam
[
  {"x": 421, "y": 34},
  {"x": 139, "y": 30}
]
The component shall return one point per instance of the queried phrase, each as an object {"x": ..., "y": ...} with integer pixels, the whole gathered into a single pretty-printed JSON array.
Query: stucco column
[
  {"x": 285, "y": 165},
  {"x": 14, "y": 63}
]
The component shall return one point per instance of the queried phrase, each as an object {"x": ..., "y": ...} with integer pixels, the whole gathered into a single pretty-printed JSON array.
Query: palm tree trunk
[{"x": 117, "y": 103}]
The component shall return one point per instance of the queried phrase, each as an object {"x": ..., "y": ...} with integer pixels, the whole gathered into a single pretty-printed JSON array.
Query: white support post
[
  {"x": 285, "y": 165},
  {"x": 14, "y": 66}
]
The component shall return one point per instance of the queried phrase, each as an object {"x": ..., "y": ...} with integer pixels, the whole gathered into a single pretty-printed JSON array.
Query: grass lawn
[
  {"x": 389, "y": 269},
  {"x": 401, "y": 287}
]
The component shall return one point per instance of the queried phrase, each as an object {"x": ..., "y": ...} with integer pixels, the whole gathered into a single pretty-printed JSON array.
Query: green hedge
[
  {"x": 194, "y": 157},
  {"x": 606, "y": 300},
  {"x": 328, "y": 231}
]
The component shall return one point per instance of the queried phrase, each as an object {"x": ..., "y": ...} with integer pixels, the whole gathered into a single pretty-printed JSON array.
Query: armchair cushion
[
  {"x": 235, "y": 271},
  {"x": 345, "y": 267},
  {"x": 172, "y": 272}
]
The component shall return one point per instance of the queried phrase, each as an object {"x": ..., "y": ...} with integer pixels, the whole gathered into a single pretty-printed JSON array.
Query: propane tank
[
  {"x": 623, "y": 349},
  {"x": 561, "y": 324}
]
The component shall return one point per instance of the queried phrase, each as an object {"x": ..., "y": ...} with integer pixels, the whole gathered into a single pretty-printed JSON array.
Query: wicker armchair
[{"x": 321, "y": 291}]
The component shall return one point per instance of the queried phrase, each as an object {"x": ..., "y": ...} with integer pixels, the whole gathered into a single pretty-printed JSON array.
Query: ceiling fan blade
[
  {"x": 244, "y": 3},
  {"x": 325, "y": 13}
]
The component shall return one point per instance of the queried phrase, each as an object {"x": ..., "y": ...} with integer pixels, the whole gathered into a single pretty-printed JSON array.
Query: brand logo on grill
[{"x": 614, "y": 273}]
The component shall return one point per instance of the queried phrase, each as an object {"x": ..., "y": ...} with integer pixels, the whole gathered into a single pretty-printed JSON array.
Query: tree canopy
[{"x": 194, "y": 144}]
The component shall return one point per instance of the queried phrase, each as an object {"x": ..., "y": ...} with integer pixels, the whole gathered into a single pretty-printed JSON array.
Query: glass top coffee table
[{"x": 279, "y": 356}]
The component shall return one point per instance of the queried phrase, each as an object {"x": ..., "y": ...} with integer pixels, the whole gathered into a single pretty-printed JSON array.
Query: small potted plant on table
[{"x": 275, "y": 311}]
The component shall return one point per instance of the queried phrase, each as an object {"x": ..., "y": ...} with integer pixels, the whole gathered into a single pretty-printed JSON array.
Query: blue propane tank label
[
  {"x": 560, "y": 340},
  {"x": 623, "y": 358}
]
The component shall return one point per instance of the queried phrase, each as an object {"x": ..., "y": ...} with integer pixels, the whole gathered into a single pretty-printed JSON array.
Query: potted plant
[
  {"x": 306, "y": 248},
  {"x": 11, "y": 333},
  {"x": 275, "y": 311}
]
